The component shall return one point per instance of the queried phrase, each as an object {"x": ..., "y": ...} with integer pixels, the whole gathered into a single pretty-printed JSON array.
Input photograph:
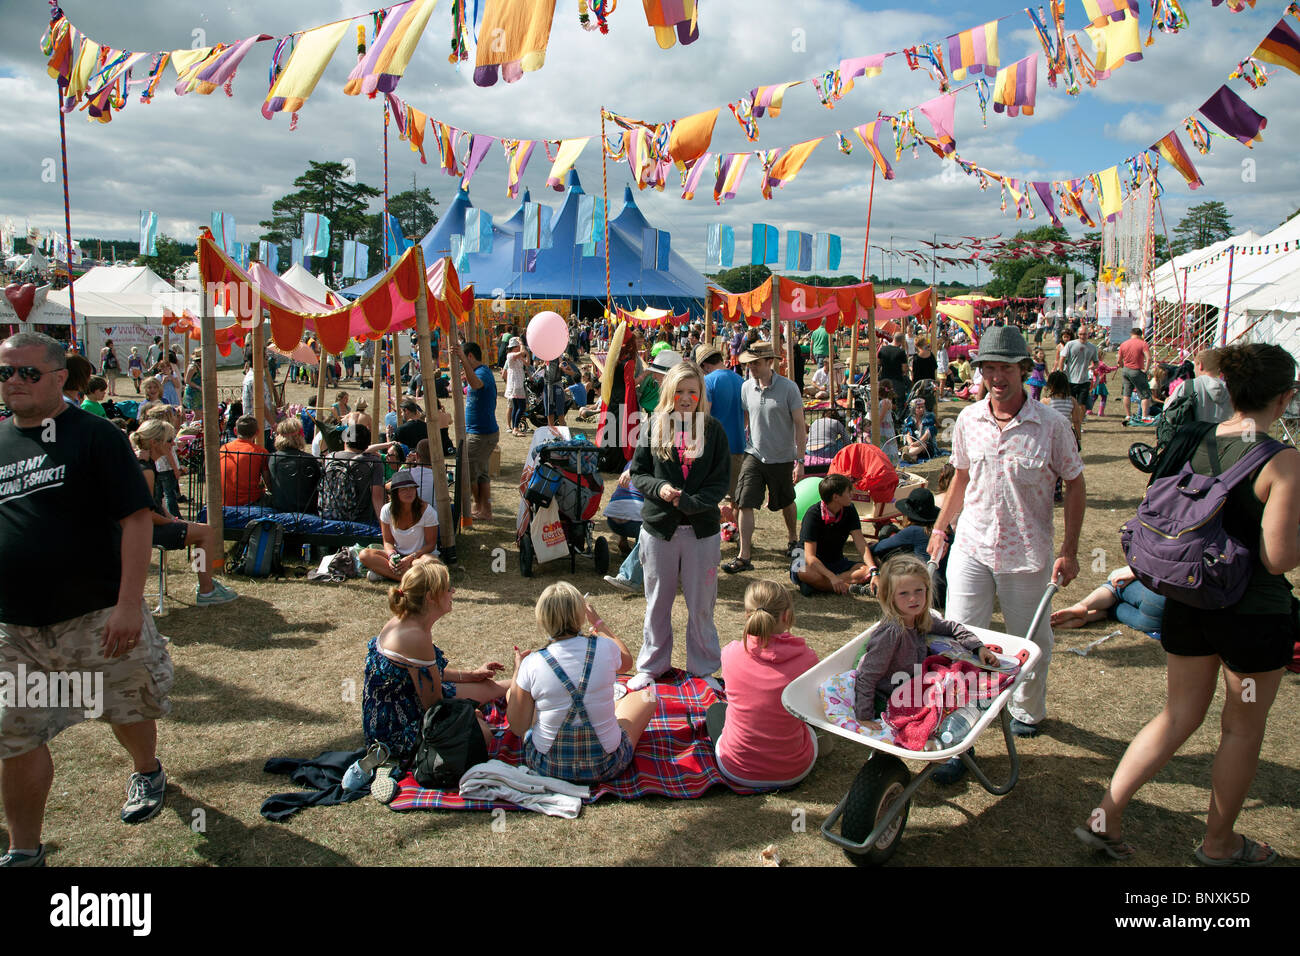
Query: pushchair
[
  {"x": 560, "y": 492},
  {"x": 535, "y": 399}
]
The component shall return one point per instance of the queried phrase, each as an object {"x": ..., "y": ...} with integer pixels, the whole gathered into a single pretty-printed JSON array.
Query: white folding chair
[{"x": 159, "y": 608}]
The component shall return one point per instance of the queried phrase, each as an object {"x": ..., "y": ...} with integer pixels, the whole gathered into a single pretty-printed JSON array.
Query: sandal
[
  {"x": 736, "y": 565},
  {"x": 1116, "y": 849},
  {"x": 1245, "y": 855}
]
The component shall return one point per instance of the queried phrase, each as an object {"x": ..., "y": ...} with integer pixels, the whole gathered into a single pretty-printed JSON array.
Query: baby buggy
[
  {"x": 535, "y": 399},
  {"x": 560, "y": 493}
]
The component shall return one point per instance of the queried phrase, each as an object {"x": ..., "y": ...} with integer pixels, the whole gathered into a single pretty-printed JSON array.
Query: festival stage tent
[{"x": 562, "y": 272}]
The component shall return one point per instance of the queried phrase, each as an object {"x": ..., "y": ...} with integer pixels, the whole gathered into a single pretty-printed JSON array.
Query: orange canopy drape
[
  {"x": 749, "y": 304},
  {"x": 388, "y": 306}
]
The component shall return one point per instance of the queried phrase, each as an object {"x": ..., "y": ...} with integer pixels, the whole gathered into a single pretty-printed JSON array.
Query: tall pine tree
[
  {"x": 1204, "y": 224},
  {"x": 322, "y": 189}
]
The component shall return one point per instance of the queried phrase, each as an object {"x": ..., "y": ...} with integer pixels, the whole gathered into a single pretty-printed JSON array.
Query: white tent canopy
[{"x": 309, "y": 285}]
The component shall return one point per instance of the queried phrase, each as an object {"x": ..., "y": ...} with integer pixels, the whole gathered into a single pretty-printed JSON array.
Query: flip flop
[
  {"x": 1245, "y": 855},
  {"x": 1115, "y": 849}
]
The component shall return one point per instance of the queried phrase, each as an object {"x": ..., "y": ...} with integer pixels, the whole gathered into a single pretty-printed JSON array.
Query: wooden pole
[
  {"x": 211, "y": 427},
  {"x": 873, "y": 364},
  {"x": 376, "y": 415},
  {"x": 446, "y": 529},
  {"x": 458, "y": 420},
  {"x": 259, "y": 377},
  {"x": 397, "y": 375},
  {"x": 776, "y": 322},
  {"x": 853, "y": 346},
  {"x": 320, "y": 377}
]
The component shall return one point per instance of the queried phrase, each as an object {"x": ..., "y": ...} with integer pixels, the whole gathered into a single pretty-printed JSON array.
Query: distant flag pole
[
  {"x": 1223, "y": 339},
  {"x": 378, "y": 345}
]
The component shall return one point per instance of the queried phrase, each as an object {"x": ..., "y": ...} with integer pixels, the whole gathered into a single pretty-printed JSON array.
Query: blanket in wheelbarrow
[{"x": 674, "y": 757}]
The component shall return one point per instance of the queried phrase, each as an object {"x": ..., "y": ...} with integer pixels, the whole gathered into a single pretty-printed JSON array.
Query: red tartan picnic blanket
[{"x": 674, "y": 757}]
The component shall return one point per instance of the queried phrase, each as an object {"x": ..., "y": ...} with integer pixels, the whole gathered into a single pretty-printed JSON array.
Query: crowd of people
[{"x": 725, "y": 429}]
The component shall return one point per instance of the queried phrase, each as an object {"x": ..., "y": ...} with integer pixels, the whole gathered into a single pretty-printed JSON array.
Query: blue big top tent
[{"x": 562, "y": 272}]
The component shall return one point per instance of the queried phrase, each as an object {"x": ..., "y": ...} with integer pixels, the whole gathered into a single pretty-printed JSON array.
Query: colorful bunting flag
[
  {"x": 765, "y": 245},
  {"x": 513, "y": 37},
  {"x": 223, "y": 230},
  {"x": 518, "y": 152},
  {"x": 869, "y": 133},
  {"x": 975, "y": 50},
  {"x": 217, "y": 68},
  {"x": 720, "y": 246},
  {"x": 459, "y": 256},
  {"x": 311, "y": 54},
  {"x": 295, "y": 252},
  {"x": 395, "y": 243},
  {"x": 148, "y": 233},
  {"x": 570, "y": 150},
  {"x": 478, "y": 231},
  {"x": 315, "y": 234},
  {"x": 1099, "y": 12},
  {"x": 1016, "y": 87},
  {"x": 384, "y": 65},
  {"x": 268, "y": 253},
  {"x": 525, "y": 258},
  {"x": 1171, "y": 148},
  {"x": 656, "y": 246},
  {"x": 826, "y": 252},
  {"x": 731, "y": 169},
  {"x": 691, "y": 181},
  {"x": 478, "y": 148},
  {"x": 691, "y": 136},
  {"x": 1228, "y": 111},
  {"x": 591, "y": 220},
  {"x": 537, "y": 226},
  {"x": 1281, "y": 47},
  {"x": 1119, "y": 40},
  {"x": 785, "y": 168},
  {"x": 940, "y": 112},
  {"x": 798, "y": 251}
]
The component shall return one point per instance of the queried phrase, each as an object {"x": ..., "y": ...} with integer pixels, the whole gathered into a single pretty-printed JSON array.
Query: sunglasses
[{"x": 28, "y": 373}]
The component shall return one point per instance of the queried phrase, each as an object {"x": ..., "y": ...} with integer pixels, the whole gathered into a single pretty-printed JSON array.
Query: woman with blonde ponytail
[
  {"x": 406, "y": 673},
  {"x": 759, "y": 744}
]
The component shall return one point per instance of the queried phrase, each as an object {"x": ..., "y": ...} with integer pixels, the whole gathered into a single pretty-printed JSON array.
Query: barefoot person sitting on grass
[{"x": 1122, "y": 598}]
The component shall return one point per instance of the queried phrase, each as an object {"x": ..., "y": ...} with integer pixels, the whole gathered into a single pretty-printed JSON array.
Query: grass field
[{"x": 271, "y": 675}]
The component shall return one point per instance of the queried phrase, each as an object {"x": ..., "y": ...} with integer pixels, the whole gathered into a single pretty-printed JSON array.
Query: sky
[{"x": 185, "y": 157}]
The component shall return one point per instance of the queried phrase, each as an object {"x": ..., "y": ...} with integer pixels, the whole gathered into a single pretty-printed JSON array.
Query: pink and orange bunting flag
[
  {"x": 1171, "y": 148},
  {"x": 869, "y": 133},
  {"x": 787, "y": 165}
]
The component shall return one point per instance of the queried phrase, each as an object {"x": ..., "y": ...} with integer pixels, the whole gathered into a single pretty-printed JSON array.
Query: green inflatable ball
[{"x": 806, "y": 495}]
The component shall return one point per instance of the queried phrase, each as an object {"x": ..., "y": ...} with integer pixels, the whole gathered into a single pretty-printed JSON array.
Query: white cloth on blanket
[{"x": 496, "y": 780}]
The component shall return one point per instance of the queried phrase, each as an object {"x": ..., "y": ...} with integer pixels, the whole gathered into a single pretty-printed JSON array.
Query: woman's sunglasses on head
[{"x": 28, "y": 373}]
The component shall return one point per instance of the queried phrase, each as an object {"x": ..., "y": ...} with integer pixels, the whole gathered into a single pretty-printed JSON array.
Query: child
[
  {"x": 758, "y": 744},
  {"x": 1059, "y": 396},
  {"x": 727, "y": 515},
  {"x": 135, "y": 365},
  {"x": 1038, "y": 378},
  {"x": 1099, "y": 390},
  {"x": 96, "y": 389},
  {"x": 901, "y": 640},
  {"x": 826, "y": 527},
  {"x": 887, "y": 431}
]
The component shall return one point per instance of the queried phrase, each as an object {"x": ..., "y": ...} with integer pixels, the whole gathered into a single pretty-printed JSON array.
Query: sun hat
[
  {"x": 665, "y": 360},
  {"x": 404, "y": 479},
  {"x": 919, "y": 506},
  {"x": 759, "y": 350},
  {"x": 704, "y": 352},
  {"x": 514, "y": 342},
  {"x": 1003, "y": 343}
]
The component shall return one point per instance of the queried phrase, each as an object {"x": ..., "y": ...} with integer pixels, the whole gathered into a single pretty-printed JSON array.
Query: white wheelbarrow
[{"x": 875, "y": 809}]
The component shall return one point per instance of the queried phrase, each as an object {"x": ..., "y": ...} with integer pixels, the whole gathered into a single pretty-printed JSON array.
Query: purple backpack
[{"x": 1177, "y": 545}]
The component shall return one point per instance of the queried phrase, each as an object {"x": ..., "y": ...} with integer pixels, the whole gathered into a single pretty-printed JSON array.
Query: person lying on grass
[
  {"x": 410, "y": 529},
  {"x": 826, "y": 526},
  {"x": 561, "y": 701},
  {"x": 406, "y": 673}
]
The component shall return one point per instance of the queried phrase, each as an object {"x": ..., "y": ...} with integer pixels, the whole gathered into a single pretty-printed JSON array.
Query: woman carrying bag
[{"x": 682, "y": 466}]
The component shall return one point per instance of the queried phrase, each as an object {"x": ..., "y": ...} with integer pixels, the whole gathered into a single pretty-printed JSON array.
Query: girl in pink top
[{"x": 759, "y": 744}]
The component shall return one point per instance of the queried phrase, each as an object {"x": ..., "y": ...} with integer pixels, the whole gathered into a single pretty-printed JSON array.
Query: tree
[
  {"x": 1032, "y": 282},
  {"x": 1204, "y": 224},
  {"x": 414, "y": 211},
  {"x": 322, "y": 189},
  {"x": 742, "y": 278},
  {"x": 172, "y": 258},
  {"x": 1008, "y": 271}
]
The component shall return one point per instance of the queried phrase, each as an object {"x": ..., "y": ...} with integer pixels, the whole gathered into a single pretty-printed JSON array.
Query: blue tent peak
[{"x": 573, "y": 181}]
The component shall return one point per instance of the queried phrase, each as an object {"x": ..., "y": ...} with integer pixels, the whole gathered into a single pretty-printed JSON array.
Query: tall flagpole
[
  {"x": 874, "y": 405},
  {"x": 67, "y": 224}
]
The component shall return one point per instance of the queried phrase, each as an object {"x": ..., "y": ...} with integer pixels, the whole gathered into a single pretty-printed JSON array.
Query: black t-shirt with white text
[{"x": 64, "y": 486}]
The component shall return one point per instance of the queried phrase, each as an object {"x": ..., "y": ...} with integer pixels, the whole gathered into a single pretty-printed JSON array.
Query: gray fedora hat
[{"x": 1003, "y": 343}]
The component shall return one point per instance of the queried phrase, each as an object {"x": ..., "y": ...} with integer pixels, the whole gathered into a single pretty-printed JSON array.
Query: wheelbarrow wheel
[
  {"x": 600, "y": 554},
  {"x": 526, "y": 555},
  {"x": 877, "y": 787}
]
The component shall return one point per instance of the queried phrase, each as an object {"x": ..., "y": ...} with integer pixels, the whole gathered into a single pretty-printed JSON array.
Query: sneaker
[
  {"x": 951, "y": 771},
  {"x": 145, "y": 793},
  {"x": 1022, "y": 729},
  {"x": 220, "y": 594},
  {"x": 16, "y": 858},
  {"x": 640, "y": 681},
  {"x": 860, "y": 590},
  {"x": 806, "y": 589},
  {"x": 622, "y": 584},
  {"x": 374, "y": 577}
]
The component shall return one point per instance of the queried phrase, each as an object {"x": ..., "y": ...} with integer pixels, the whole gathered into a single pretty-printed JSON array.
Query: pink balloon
[{"x": 548, "y": 335}]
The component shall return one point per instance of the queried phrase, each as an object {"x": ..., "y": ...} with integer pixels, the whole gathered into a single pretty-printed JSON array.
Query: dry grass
[{"x": 265, "y": 676}]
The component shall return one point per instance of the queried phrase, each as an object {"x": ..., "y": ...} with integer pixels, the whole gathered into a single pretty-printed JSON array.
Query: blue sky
[{"x": 185, "y": 157}]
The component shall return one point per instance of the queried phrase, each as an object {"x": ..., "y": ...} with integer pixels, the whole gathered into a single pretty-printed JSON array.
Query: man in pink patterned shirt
[{"x": 1008, "y": 453}]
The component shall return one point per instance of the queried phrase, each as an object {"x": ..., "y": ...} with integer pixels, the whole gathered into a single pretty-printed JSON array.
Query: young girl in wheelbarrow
[{"x": 900, "y": 643}]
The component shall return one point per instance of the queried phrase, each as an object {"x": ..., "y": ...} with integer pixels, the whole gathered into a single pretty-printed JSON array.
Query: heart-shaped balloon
[{"x": 22, "y": 297}]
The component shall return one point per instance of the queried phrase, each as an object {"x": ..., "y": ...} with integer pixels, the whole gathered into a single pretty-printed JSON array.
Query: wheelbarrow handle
[{"x": 1043, "y": 606}]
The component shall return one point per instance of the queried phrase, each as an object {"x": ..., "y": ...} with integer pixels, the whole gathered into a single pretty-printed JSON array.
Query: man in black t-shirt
[
  {"x": 893, "y": 366},
  {"x": 75, "y": 540},
  {"x": 827, "y": 526}
]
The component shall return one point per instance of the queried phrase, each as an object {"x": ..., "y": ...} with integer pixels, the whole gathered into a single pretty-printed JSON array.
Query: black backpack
[
  {"x": 260, "y": 552},
  {"x": 450, "y": 743}
]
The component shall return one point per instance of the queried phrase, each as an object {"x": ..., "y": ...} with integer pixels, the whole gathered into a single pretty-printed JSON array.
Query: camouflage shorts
[{"x": 54, "y": 677}]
